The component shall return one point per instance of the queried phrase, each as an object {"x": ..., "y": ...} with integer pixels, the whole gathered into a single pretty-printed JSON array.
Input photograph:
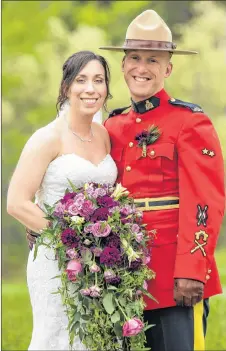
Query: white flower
[
  {"x": 78, "y": 219},
  {"x": 119, "y": 191}
]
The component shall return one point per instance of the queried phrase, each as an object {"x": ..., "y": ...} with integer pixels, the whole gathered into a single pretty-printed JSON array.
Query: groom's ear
[{"x": 123, "y": 63}]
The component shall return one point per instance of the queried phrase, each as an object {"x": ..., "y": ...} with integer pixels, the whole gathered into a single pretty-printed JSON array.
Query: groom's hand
[{"x": 187, "y": 292}]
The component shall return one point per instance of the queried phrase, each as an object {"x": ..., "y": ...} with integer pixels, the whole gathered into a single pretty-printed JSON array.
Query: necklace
[{"x": 82, "y": 139}]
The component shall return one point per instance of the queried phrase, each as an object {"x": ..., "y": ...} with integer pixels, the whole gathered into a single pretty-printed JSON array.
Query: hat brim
[{"x": 123, "y": 48}]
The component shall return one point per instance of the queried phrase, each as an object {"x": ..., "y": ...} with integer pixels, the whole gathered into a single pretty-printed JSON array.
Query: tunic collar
[{"x": 150, "y": 103}]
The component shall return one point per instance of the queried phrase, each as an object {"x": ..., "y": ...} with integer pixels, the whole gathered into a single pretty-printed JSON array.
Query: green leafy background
[{"x": 37, "y": 37}]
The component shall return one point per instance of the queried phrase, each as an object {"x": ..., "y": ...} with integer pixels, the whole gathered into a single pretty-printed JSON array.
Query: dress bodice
[{"x": 78, "y": 170}]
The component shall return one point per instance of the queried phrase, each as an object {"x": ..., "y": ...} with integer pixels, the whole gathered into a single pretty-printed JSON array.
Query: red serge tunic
[{"x": 185, "y": 162}]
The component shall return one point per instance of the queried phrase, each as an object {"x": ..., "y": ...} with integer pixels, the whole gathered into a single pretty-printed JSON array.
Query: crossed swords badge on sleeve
[{"x": 200, "y": 246}]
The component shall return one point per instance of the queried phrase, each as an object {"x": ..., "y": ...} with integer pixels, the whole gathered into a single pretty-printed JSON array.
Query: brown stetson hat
[{"x": 149, "y": 32}]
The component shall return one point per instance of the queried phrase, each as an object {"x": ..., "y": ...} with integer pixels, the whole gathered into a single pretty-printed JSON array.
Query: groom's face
[{"x": 145, "y": 72}]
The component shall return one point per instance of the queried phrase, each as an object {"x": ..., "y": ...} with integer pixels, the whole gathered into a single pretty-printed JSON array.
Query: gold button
[
  {"x": 128, "y": 168},
  {"x": 172, "y": 99},
  {"x": 209, "y": 270},
  {"x": 152, "y": 153},
  {"x": 131, "y": 144},
  {"x": 138, "y": 120},
  {"x": 207, "y": 277}
]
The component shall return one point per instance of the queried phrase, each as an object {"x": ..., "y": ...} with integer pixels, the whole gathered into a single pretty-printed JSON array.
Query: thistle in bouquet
[{"x": 99, "y": 240}]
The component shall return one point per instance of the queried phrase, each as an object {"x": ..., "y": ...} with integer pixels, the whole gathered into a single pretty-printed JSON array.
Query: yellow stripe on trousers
[{"x": 199, "y": 342}]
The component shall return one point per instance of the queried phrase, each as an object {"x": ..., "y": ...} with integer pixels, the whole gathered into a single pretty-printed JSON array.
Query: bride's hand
[{"x": 31, "y": 237}]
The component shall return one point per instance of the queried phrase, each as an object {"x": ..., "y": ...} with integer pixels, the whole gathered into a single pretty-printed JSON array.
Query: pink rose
[
  {"x": 73, "y": 268},
  {"x": 132, "y": 327},
  {"x": 73, "y": 209},
  {"x": 72, "y": 253},
  {"x": 101, "y": 229},
  {"x": 94, "y": 291},
  {"x": 135, "y": 228},
  {"x": 87, "y": 208},
  {"x": 97, "y": 251},
  {"x": 79, "y": 200},
  {"x": 139, "y": 237},
  {"x": 94, "y": 268},
  {"x": 99, "y": 192},
  {"x": 126, "y": 210},
  {"x": 109, "y": 274},
  {"x": 68, "y": 204},
  {"x": 146, "y": 259},
  {"x": 85, "y": 292},
  {"x": 59, "y": 209},
  {"x": 88, "y": 228}
]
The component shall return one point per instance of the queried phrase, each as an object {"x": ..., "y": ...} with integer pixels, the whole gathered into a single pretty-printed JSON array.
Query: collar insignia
[{"x": 146, "y": 105}]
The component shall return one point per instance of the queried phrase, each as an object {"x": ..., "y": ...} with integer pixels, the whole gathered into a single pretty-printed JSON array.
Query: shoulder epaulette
[
  {"x": 117, "y": 111},
  {"x": 192, "y": 107}
]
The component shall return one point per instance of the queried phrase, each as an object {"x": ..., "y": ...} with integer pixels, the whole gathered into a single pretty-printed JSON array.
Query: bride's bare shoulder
[{"x": 47, "y": 137}]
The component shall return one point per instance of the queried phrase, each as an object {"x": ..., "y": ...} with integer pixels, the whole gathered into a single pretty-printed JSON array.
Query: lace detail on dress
[{"x": 49, "y": 318}]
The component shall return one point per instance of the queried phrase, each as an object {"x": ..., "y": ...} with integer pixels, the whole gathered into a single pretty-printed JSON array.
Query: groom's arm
[{"x": 202, "y": 203}]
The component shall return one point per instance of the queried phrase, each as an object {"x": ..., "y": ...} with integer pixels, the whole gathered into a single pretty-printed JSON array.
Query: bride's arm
[{"x": 39, "y": 151}]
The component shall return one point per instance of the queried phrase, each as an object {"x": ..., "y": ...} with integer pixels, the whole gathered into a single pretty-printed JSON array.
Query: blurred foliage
[{"x": 38, "y": 36}]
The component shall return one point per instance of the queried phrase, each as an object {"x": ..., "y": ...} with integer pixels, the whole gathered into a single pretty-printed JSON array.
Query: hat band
[{"x": 152, "y": 44}]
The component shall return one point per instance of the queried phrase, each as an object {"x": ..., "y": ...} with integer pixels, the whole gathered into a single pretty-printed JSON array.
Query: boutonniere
[{"x": 147, "y": 137}]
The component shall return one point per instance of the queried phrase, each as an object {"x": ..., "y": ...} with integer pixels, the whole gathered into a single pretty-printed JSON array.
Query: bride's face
[{"x": 88, "y": 91}]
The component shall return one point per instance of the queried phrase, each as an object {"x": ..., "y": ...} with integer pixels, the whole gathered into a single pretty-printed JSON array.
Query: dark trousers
[{"x": 177, "y": 328}]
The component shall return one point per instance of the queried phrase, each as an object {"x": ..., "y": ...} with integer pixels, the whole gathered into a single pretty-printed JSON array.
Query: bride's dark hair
[{"x": 71, "y": 68}]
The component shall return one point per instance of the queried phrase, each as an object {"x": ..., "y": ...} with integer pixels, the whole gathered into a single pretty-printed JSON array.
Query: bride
[{"x": 73, "y": 146}]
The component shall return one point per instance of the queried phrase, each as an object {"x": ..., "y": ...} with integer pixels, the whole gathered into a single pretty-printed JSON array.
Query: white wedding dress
[{"x": 49, "y": 319}]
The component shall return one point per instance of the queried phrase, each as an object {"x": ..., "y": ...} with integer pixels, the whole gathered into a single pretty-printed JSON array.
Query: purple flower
[
  {"x": 94, "y": 291},
  {"x": 85, "y": 292},
  {"x": 59, "y": 210},
  {"x": 135, "y": 228},
  {"x": 106, "y": 201},
  {"x": 97, "y": 251},
  {"x": 73, "y": 209},
  {"x": 114, "y": 209},
  {"x": 114, "y": 281},
  {"x": 88, "y": 228},
  {"x": 146, "y": 259},
  {"x": 69, "y": 238},
  {"x": 110, "y": 256},
  {"x": 111, "y": 278},
  {"x": 126, "y": 210},
  {"x": 139, "y": 237},
  {"x": 100, "y": 214},
  {"x": 113, "y": 241},
  {"x": 109, "y": 274},
  {"x": 87, "y": 208},
  {"x": 71, "y": 253},
  {"x": 101, "y": 229},
  {"x": 90, "y": 190},
  {"x": 67, "y": 197},
  {"x": 94, "y": 268},
  {"x": 79, "y": 200},
  {"x": 135, "y": 265},
  {"x": 100, "y": 192}
]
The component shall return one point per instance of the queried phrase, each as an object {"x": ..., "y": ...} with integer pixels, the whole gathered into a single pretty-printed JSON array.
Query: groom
[{"x": 169, "y": 157}]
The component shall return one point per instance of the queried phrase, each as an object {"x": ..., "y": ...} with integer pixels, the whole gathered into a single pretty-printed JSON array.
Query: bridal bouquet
[{"x": 99, "y": 241}]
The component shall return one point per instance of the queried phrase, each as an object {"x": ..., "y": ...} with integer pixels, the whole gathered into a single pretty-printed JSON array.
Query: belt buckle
[{"x": 146, "y": 200}]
